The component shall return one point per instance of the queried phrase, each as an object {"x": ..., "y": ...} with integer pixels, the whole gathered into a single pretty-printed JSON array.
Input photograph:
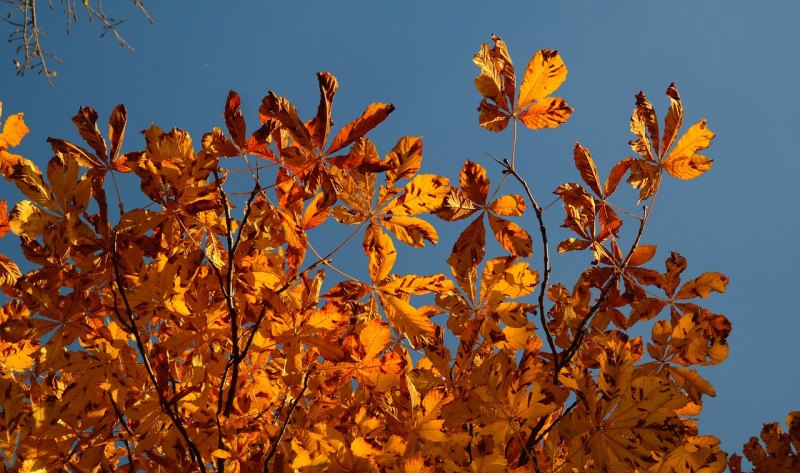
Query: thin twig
[
  {"x": 124, "y": 424},
  {"x": 289, "y": 414},
  {"x": 545, "y": 257}
]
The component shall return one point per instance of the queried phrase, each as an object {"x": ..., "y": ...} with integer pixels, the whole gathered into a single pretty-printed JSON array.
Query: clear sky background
[{"x": 734, "y": 63}]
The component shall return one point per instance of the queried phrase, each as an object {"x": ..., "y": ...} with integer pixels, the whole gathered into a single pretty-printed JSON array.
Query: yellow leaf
[
  {"x": 432, "y": 431},
  {"x": 407, "y": 319},
  {"x": 696, "y": 138},
  {"x": 361, "y": 447},
  {"x": 14, "y": 130},
  {"x": 544, "y": 74},
  {"x": 219, "y": 453}
]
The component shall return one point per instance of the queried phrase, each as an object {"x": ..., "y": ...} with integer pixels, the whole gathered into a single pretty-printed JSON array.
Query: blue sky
[{"x": 733, "y": 62}]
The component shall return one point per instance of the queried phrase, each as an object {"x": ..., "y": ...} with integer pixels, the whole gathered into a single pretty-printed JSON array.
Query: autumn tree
[{"x": 207, "y": 331}]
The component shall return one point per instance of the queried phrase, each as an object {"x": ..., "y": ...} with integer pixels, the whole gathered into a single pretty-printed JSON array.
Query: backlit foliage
[{"x": 205, "y": 330}]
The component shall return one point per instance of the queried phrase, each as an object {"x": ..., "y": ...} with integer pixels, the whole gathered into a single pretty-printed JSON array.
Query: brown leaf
[
  {"x": 703, "y": 286},
  {"x": 585, "y": 165},
  {"x": 86, "y": 121},
  {"x": 116, "y": 130},
  {"x": 674, "y": 120},
  {"x": 469, "y": 249},
  {"x": 234, "y": 120},
  {"x": 474, "y": 182},
  {"x": 491, "y": 117}
]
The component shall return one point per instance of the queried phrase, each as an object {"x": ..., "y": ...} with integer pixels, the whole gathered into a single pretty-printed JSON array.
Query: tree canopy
[{"x": 205, "y": 331}]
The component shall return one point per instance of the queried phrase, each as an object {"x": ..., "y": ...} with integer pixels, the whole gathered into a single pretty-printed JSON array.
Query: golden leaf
[
  {"x": 411, "y": 230},
  {"x": 423, "y": 194},
  {"x": 508, "y": 205},
  {"x": 491, "y": 117}
]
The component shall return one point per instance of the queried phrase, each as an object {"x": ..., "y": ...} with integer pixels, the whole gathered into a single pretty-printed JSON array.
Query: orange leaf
[
  {"x": 280, "y": 109},
  {"x": 508, "y": 205},
  {"x": 474, "y": 182},
  {"x": 423, "y": 194},
  {"x": 456, "y": 205},
  {"x": 616, "y": 175},
  {"x": 682, "y": 162},
  {"x": 470, "y": 247},
  {"x": 688, "y": 167},
  {"x": 380, "y": 251},
  {"x": 488, "y": 81},
  {"x": 545, "y": 73},
  {"x": 372, "y": 117},
  {"x": 511, "y": 237},
  {"x": 406, "y": 158},
  {"x": 116, "y": 129},
  {"x": 3, "y": 218},
  {"x": 411, "y": 230},
  {"x": 547, "y": 112},
  {"x": 642, "y": 254},
  {"x": 320, "y": 125},
  {"x": 703, "y": 286}
]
